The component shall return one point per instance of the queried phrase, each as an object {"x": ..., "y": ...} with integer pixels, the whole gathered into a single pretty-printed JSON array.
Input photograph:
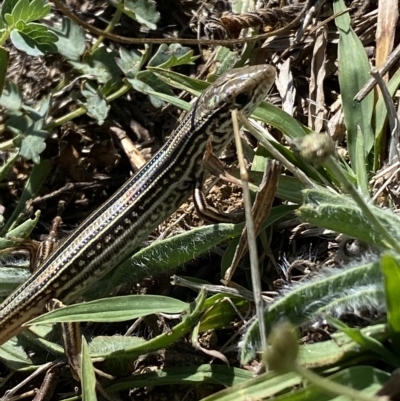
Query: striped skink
[{"x": 111, "y": 233}]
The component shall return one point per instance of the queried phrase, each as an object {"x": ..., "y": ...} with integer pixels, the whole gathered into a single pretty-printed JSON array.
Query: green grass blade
[
  {"x": 366, "y": 341},
  {"x": 353, "y": 74},
  {"x": 88, "y": 376},
  {"x": 213, "y": 374},
  {"x": 116, "y": 309},
  {"x": 280, "y": 387}
]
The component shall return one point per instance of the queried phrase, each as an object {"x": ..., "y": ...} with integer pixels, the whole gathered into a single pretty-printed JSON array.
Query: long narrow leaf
[
  {"x": 307, "y": 301},
  {"x": 353, "y": 74}
]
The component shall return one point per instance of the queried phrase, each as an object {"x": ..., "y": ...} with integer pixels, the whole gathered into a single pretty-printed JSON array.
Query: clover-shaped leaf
[
  {"x": 24, "y": 11},
  {"x": 34, "y": 39}
]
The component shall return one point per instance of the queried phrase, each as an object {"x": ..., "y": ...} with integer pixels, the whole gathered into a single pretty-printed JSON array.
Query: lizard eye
[{"x": 242, "y": 99}]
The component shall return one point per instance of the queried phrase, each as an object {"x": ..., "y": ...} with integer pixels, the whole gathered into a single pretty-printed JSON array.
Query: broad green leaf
[
  {"x": 131, "y": 62},
  {"x": 183, "y": 247},
  {"x": 16, "y": 14},
  {"x": 185, "y": 59},
  {"x": 259, "y": 161},
  {"x": 126, "y": 348},
  {"x": 37, "y": 9},
  {"x": 116, "y": 309},
  {"x": 8, "y": 6},
  {"x": 365, "y": 379},
  {"x": 27, "y": 11},
  {"x": 96, "y": 105},
  {"x": 34, "y": 39},
  {"x": 71, "y": 40},
  {"x": 18, "y": 124},
  {"x": 143, "y": 11},
  {"x": 151, "y": 80},
  {"x": 168, "y": 56},
  {"x": 142, "y": 87},
  {"x": 33, "y": 144},
  {"x": 391, "y": 274},
  {"x": 148, "y": 83},
  {"x": 225, "y": 59},
  {"x": 37, "y": 335},
  {"x": 109, "y": 89},
  {"x": 27, "y": 127},
  {"x": 101, "y": 65}
]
